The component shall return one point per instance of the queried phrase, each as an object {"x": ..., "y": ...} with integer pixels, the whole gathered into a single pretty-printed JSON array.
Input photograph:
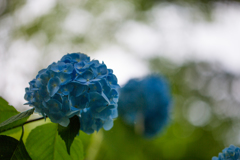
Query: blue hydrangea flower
[
  {"x": 229, "y": 153},
  {"x": 75, "y": 85},
  {"x": 145, "y": 103}
]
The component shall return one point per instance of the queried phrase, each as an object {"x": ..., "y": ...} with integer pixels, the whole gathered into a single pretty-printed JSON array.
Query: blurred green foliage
[
  {"x": 200, "y": 137},
  {"x": 206, "y": 107},
  {"x": 100, "y": 26}
]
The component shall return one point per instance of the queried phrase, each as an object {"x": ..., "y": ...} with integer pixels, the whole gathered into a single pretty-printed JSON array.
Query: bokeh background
[{"x": 193, "y": 43}]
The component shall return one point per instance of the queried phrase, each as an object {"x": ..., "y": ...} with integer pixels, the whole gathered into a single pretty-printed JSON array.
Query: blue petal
[
  {"x": 94, "y": 63},
  {"x": 79, "y": 66},
  {"x": 53, "y": 85},
  {"x": 87, "y": 66},
  {"x": 80, "y": 102},
  {"x": 98, "y": 124},
  {"x": 86, "y": 78},
  {"x": 44, "y": 78},
  {"x": 43, "y": 92},
  {"x": 33, "y": 85},
  {"x": 102, "y": 70},
  {"x": 88, "y": 75},
  {"x": 56, "y": 117},
  {"x": 73, "y": 109},
  {"x": 66, "y": 89},
  {"x": 51, "y": 73},
  {"x": 42, "y": 71},
  {"x": 112, "y": 106},
  {"x": 80, "y": 79},
  {"x": 87, "y": 121},
  {"x": 104, "y": 114},
  {"x": 114, "y": 113},
  {"x": 112, "y": 79},
  {"x": 72, "y": 113},
  {"x": 105, "y": 86},
  {"x": 106, "y": 98},
  {"x": 113, "y": 93},
  {"x": 75, "y": 57},
  {"x": 113, "y": 96},
  {"x": 64, "y": 78},
  {"x": 38, "y": 82},
  {"x": 110, "y": 71},
  {"x": 78, "y": 89},
  {"x": 96, "y": 87},
  {"x": 108, "y": 124},
  {"x": 80, "y": 71},
  {"x": 65, "y": 105},
  {"x": 97, "y": 100},
  {"x": 68, "y": 68},
  {"x": 27, "y": 89},
  {"x": 54, "y": 105},
  {"x": 29, "y": 96},
  {"x": 64, "y": 122},
  {"x": 95, "y": 72},
  {"x": 95, "y": 80},
  {"x": 57, "y": 97},
  {"x": 62, "y": 67},
  {"x": 84, "y": 57},
  {"x": 66, "y": 58},
  {"x": 57, "y": 67}
]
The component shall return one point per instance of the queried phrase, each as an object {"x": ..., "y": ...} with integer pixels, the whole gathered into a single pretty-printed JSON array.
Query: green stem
[
  {"x": 22, "y": 133},
  {"x": 32, "y": 120}
]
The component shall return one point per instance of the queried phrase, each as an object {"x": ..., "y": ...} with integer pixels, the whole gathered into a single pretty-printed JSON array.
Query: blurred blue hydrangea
[
  {"x": 76, "y": 86},
  {"x": 229, "y": 153},
  {"x": 145, "y": 103}
]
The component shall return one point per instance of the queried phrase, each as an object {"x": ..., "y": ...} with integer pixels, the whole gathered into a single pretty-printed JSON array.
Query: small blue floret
[
  {"x": 229, "y": 153},
  {"x": 53, "y": 85}
]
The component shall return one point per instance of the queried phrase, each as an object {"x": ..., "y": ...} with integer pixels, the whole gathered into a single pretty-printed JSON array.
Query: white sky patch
[
  {"x": 124, "y": 65},
  {"x": 78, "y": 21},
  {"x": 175, "y": 34},
  {"x": 19, "y": 63},
  {"x": 199, "y": 113},
  {"x": 33, "y": 9},
  {"x": 139, "y": 37},
  {"x": 117, "y": 10},
  {"x": 220, "y": 39}
]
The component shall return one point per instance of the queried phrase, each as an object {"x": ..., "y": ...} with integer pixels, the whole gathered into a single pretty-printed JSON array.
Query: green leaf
[
  {"x": 44, "y": 143},
  {"x": 70, "y": 132},
  {"x": 16, "y": 120},
  {"x": 6, "y": 111},
  {"x": 12, "y": 149}
]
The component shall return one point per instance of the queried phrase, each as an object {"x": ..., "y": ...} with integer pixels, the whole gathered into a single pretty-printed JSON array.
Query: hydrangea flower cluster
[
  {"x": 76, "y": 86},
  {"x": 146, "y": 103},
  {"x": 229, "y": 153}
]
